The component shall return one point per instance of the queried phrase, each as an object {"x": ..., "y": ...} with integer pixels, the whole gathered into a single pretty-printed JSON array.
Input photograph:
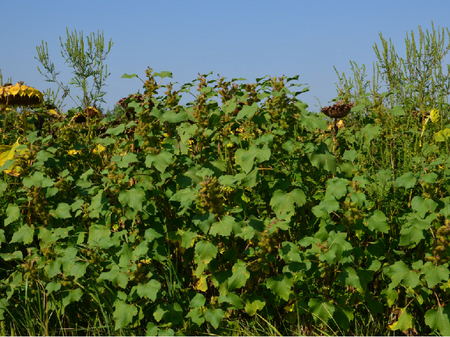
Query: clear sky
[{"x": 248, "y": 39}]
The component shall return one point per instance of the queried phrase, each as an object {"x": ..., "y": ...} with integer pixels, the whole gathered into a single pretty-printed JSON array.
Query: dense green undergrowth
[{"x": 237, "y": 211}]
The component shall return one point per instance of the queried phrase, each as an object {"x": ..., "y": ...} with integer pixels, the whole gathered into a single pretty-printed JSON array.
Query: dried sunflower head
[
  {"x": 338, "y": 110},
  {"x": 19, "y": 95}
]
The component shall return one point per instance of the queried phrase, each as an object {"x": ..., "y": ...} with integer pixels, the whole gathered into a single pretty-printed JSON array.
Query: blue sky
[{"x": 248, "y": 39}]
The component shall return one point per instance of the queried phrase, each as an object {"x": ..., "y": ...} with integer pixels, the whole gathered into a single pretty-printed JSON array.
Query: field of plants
[{"x": 238, "y": 213}]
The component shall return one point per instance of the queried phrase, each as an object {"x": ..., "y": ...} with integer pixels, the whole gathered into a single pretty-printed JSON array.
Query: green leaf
[
  {"x": 253, "y": 304},
  {"x": 129, "y": 76},
  {"x": 239, "y": 277},
  {"x": 205, "y": 251},
  {"x": 164, "y": 74},
  {"x": 149, "y": 290},
  {"x": 99, "y": 236},
  {"x": 283, "y": 203},
  {"x": 17, "y": 255},
  {"x": 439, "y": 320},
  {"x": 350, "y": 155},
  {"x": 325, "y": 207},
  {"x": 407, "y": 181},
  {"x": 434, "y": 274},
  {"x": 196, "y": 315},
  {"x": 77, "y": 269},
  {"x": 174, "y": 117},
  {"x": 399, "y": 272},
  {"x": 246, "y": 158},
  {"x": 423, "y": 206},
  {"x": 377, "y": 221},
  {"x": 3, "y": 187},
  {"x": 214, "y": 316},
  {"x": 62, "y": 211},
  {"x": 116, "y": 131},
  {"x": 404, "y": 322},
  {"x": 247, "y": 111},
  {"x": 370, "y": 131},
  {"x": 412, "y": 232},
  {"x": 38, "y": 180},
  {"x": 397, "y": 111},
  {"x": 281, "y": 285},
  {"x": 160, "y": 161},
  {"x": 72, "y": 296},
  {"x": 223, "y": 227},
  {"x": 233, "y": 299},
  {"x": 185, "y": 197},
  {"x": 198, "y": 300},
  {"x": 151, "y": 329},
  {"x": 123, "y": 315},
  {"x": 52, "y": 287},
  {"x": 116, "y": 276},
  {"x": 322, "y": 311},
  {"x": 24, "y": 235},
  {"x": 13, "y": 213},
  {"x": 336, "y": 187},
  {"x": 132, "y": 198},
  {"x": 53, "y": 268}
]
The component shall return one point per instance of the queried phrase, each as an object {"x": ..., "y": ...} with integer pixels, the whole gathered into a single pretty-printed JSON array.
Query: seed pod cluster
[
  {"x": 210, "y": 197},
  {"x": 441, "y": 247}
]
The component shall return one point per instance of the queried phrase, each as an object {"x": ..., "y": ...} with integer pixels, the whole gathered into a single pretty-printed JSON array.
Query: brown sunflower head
[
  {"x": 20, "y": 95},
  {"x": 338, "y": 110}
]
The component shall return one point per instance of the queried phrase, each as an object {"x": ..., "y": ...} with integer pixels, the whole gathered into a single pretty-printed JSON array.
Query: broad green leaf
[
  {"x": 38, "y": 180},
  {"x": 52, "y": 287},
  {"x": 434, "y": 274},
  {"x": 17, "y": 255},
  {"x": 247, "y": 111},
  {"x": 23, "y": 235},
  {"x": 370, "y": 131},
  {"x": 116, "y": 275},
  {"x": 132, "y": 198},
  {"x": 149, "y": 290},
  {"x": 377, "y": 221},
  {"x": 160, "y": 161},
  {"x": 439, "y": 320},
  {"x": 62, "y": 211},
  {"x": 77, "y": 269},
  {"x": 205, "y": 251},
  {"x": 322, "y": 158},
  {"x": 3, "y": 187},
  {"x": 53, "y": 268},
  {"x": 239, "y": 277},
  {"x": 350, "y": 155},
  {"x": 223, "y": 227},
  {"x": 185, "y": 197},
  {"x": 322, "y": 311},
  {"x": 336, "y": 187},
  {"x": 407, "y": 181},
  {"x": 325, "y": 207},
  {"x": 2, "y": 237},
  {"x": 349, "y": 277},
  {"x": 397, "y": 111},
  {"x": 233, "y": 299},
  {"x": 174, "y": 117},
  {"x": 423, "y": 206},
  {"x": 13, "y": 214},
  {"x": 412, "y": 232},
  {"x": 129, "y": 76},
  {"x": 123, "y": 315},
  {"x": 99, "y": 236},
  {"x": 404, "y": 322},
  {"x": 196, "y": 315},
  {"x": 72, "y": 296},
  {"x": 283, "y": 203},
  {"x": 169, "y": 313},
  {"x": 198, "y": 300},
  {"x": 253, "y": 304},
  {"x": 246, "y": 158},
  {"x": 125, "y": 160},
  {"x": 214, "y": 316},
  {"x": 116, "y": 131},
  {"x": 164, "y": 74},
  {"x": 399, "y": 272},
  {"x": 281, "y": 285}
]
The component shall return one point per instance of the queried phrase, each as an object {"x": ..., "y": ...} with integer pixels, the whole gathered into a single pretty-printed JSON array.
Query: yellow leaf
[{"x": 201, "y": 283}]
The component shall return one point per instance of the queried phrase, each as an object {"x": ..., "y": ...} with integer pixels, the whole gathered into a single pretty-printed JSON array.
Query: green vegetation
[{"x": 239, "y": 213}]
